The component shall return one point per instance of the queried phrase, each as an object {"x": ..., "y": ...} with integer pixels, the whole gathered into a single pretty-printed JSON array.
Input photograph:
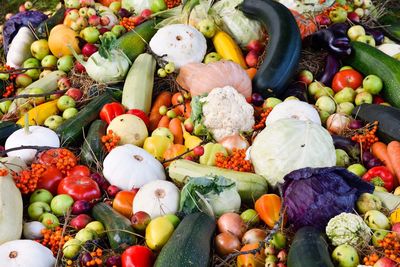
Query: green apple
[
  {"x": 53, "y": 121},
  {"x": 91, "y": 11},
  {"x": 173, "y": 219},
  {"x": 377, "y": 236},
  {"x": 65, "y": 102},
  {"x": 372, "y": 84},
  {"x": 86, "y": 234},
  {"x": 323, "y": 115},
  {"x": 345, "y": 68},
  {"x": 49, "y": 220},
  {"x": 83, "y": 12},
  {"x": 291, "y": 98},
  {"x": 376, "y": 220},
  {"x": 118, "y": 30},
  {"x": 65, "y": 63},
  {"x": 31, "y": 62},
  {"x": 41, "y": 195},
  {"x": 5, "y": 106},
  {"x": 212, "y": 57},
  {"x": 72, "y": 4},
  {"x": 360, "y": 12},
  {"x": 157, "y": 6},
  {"x": 345, "y": 108},
  {"x": 40, "y": 49},
  {"x": 207, "y": 27},
  {"x": 367, "y": 4},
  {"x": 324, "y": 91},
  {"x": 366, "y": 39},
  {"x": 36, "y": 209},
  {"x": 163, "y": 131},
  {"x": 115, "y": 6},
  {"x": 347, "y": 94},
  {"x": 326, "y": 103},
  {"x": 250, "y": 217},
  {"x": 61, "y": 203},
  {"x": 359, "y": 90},
  {"x": 338, "y": 15},
  {"x": 28, "y": 5},
  {"x": 358, "y": 2},
  {"x": 314, "y": 87},
  {"x": 342, "y": 158},
  {"x": 96, "y": 226},
  {"x": 278, "y": 240},
  {"x": 90, "y": 34},
  {"x": 345, "y": 256},
  {"x": 355, "y": 31},
  {"x": 170, "y": 68},
  {"x": 367, "y": 202},
  {"x": 357, "y": 169},
  {"x": 363, "y": 97},
  {"x": 33, "y": 73},
  {"x": 69, "y": 113},
  {"x": 271, "y": 102},
  {"x": 71, "y": 248},
  {"x": 4, "y": 76},
  {"x": 38, "y": 99},
  {"x": 49, "y": 61}
]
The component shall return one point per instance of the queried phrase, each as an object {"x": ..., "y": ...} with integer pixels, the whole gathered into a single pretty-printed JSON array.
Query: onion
[
  {"x": 257, "y": 99},
  {"x": 226, "y": 243},
  {"x": 254, "y": 235},
  {"x": 33, "y": 230},
  {"x": 337, "y": 123},
  {"x": 232, "y": 223},
  {"x": 355, "y": 124},
  {"x": 234, "y": 141}
]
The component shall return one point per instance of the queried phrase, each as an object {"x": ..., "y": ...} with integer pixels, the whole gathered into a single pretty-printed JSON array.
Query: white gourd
[{"x": 20, "y": 48}]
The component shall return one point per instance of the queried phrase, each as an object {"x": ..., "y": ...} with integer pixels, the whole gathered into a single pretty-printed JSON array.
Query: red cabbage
[
  {"x": 12, "y": 26},
  {"x": 312, "y": 196}
]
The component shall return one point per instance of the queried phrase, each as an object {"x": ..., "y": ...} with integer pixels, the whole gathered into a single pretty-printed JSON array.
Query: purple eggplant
[
  {"x": 338, "y": 46},
  {"x": 352, "y": 148},
  {"x": 297, "y": 89},
  {"x": 332, "y": 66},
  {"x": 377, "y": 34},
  {"x": 373, "y": 163},
  {"x": 339, "y": 29}
]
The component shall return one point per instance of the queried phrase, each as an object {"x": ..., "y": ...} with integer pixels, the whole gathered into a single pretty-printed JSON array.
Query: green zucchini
[
  {"x": 309, "y": 248},
  {"x": 119, "y": 229},
  {"x": 71, "y": 131},
  {"x": 190, "y": 244},
  {"x": 44, "y": 28},
  {"x": 250, "y": 186},
  {"x": 6, "y": 129},
  {"x": 138, "y": 87},
  {"x": 133, "y": 43},
  {"x": 283, "y": 49},
  {"x": 370, "y": 60},
  {"x": 387, "y": 117},
  {"x": 93, "y": 150}
]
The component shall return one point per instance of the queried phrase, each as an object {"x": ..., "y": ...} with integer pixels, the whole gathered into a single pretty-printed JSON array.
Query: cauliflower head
[
  {"x": 226, "y": 112},
  {"x": 348, "y": 228}
]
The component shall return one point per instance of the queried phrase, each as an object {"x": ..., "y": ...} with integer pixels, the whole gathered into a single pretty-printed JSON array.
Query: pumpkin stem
[{"x": 26, "y": 124}]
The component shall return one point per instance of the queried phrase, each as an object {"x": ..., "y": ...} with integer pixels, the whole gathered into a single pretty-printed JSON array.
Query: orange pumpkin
[
  {"x": 123, "y": 202},
  {"x": 268, "y": 208},
  {"x": 173, "y": 151},
  {"x": 251, "y": 260},
  {"x": 107, "y": 2},
  {"x": 60, "y": 37},
  {"x": 306, "y": 25}
]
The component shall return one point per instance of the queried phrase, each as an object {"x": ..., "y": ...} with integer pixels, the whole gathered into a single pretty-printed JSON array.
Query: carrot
[
  {"x": 164, "y": 122},
  {"x": 380, "y": 151},
  {"x": 175, "y": 126},
  {"x": 163, "y": 99},
  {"x": 393, "y": 150},
  {"x": 188, "y": 110},
  {"x": 251, "y": 72}
]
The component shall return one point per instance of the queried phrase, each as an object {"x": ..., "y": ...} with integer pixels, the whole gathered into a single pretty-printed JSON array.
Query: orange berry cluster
[
  {"x": 65, "y": 161},
  {"x": 368, "y": 135},
  {"x": 370, "y": 260},
  {"x": 9, "y": 89},
  {"x": 391, "y": 246},
  {"x": 237, "y": 161},
  {"x": 110, "y": 140},
  {"x": 128, "y": 23},
  {"x": 26, "y": 180},
  {"x": 96, "y": 258},
  {"x": 53, "y": 239},
  {"x": 172, "y": 3},
  {"x": 261, "y": 124},
  {"x": 3, "y": 172}
]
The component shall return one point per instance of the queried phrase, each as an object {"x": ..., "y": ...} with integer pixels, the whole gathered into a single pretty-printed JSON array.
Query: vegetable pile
[{"x": 163, "y": 133}]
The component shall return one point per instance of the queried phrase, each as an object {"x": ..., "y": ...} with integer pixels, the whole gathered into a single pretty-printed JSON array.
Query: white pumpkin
[
  {"x": 35, "y": 136},
  {"x": 390, "y": 49},
  {"x": 157, "y": 198},
  {"x": 24, "y": 253},
  {"x": 11, "y": 205},
  {"x": 294, "y": 109},
  {"x": 129, "y": 166},
  {"x": 180, "y": 43},
  {"x": 130, "y": 128}
]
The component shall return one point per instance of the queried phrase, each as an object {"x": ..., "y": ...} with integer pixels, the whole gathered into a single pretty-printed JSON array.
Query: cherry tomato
[
  {"x": 79, "y": 170},
  {"x": 141, "y": 114},
  {"x": 346, "y": 78},
  {"x": 137, "y": 256},
  {"x": 79, "y": 188},
  {"x": 123, "y": 202},
  {"x": 50, "y": 179}
]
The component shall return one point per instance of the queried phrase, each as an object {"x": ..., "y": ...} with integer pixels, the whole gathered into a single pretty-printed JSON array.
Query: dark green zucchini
[
  {"x": 93, "y": 150},
  {"x": 6, "y": 129},
  {"x": 120, "y": 232},
  {"x": 387, "y": 117},
  {"x": 309, "y": 248},
  {"x": 190, "y": 244},
  {"x": 71, "y": 131},
  {"x": 283, "y": 49},
  {"x": 44, "y": 28}
]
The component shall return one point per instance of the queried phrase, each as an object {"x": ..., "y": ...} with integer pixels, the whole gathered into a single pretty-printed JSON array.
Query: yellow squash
[
  {"x": 158, "y": 232},
  {"x": 39, "y": 114},
  {"x": 228, "y": 49}
]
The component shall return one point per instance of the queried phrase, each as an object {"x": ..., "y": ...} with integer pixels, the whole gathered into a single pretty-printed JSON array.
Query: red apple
[
  {"x": 67, "y": 11},
  {"x": 75, "y": 93},
  {"x": 396, "y": 228},
  {"x": 78, "y": 67},
  {"x": 112, "y": 190},
  {"x": 385, "y": 262},
  {"x": 251, "y": 59},
  {"x": 103, "y": 30},
  {"x": 354, "y": 17},
  {"x": 22, "y": 8},
  {"x": 94, "y": 20},
  {"x": 255, "y": 45},
  {"x": 188, "y": 123},
  {"x": 89, "y": 49},
  {"x": 137, "y": 20},
  {"x": 64, "y": 83},
  {"x": 140, "y": 220},
  {"x": 305, "y": 76},
  {"x": 323, "y": 19},
  {"x": 80, "y": 221},
  {"x": 80, "y": 207},
  {"x": 146, "y": 13},
  {"x": 104, "y": 21}
]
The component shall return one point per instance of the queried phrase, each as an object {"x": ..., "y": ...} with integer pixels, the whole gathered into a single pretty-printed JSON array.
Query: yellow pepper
[
  {"x": 191, "y": 141},
  {"x": 395, "y": 216},
  {"x": 157, "y": 145},
  {"x": 210, "y": 152},
  {"x": 39, "y": 114}
]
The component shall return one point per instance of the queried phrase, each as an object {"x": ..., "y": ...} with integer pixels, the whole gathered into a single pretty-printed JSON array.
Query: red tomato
[
  {"x": 79, "y": 170},
  {"x": 141, "y": 114},
  {"x": 51, "y": 156},
  {"x": 346, "y": 78},
  {"x": 50, "y": 179},
  {"x": 79, "y": 188},
  {"x": 137, "y": 256}
]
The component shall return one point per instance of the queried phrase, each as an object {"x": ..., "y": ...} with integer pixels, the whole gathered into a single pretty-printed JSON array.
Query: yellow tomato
[
  {"x": 158, "y": 232},
  {"x": 157, "y": 145}
]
